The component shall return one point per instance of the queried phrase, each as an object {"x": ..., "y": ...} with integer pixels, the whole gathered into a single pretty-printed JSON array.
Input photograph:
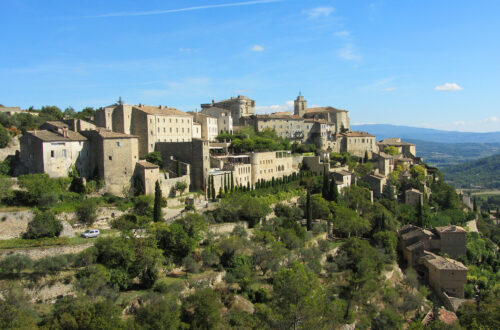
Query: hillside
[
  {"x": 484, "y": 173},
  {"x": 446, "y": 154},
  {"x": 382, "y": 131}
]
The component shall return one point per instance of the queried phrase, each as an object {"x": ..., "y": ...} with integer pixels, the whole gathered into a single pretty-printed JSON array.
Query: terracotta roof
[
  {"x": 146, "y": 164},
  {"x": 450, "y": 229},
  {"x": 278, "y": 116},
  {"x": 443, "y": 263},
  {"x": 321, "y": 121},
  {"x": 48, "y": 136},
  {"x": 152, "y": 110},
  {"x": 356, "y": 134},
  {"x": 324, "y": 109},
  {"x": 200, "y": 115}
]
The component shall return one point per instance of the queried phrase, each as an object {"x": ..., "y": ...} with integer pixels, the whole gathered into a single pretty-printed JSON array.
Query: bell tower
[{"x": 300, "y": 106}]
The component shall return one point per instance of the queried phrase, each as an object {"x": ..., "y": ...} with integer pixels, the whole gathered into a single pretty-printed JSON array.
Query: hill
[
  {"x": 382, "y": 131},
  {"x": 483, "y": 173},
  {"x": 446, "y": 154}
]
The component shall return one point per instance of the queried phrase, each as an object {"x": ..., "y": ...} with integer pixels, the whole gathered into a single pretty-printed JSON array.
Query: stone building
[
  {"x": 240, "y": 106},
  {"x": 377, "y": 183},
  {"x": 195, "y": 153},
  {"x": 149, "y": 174},
  {"x": 209, "y": 125},
  {"x": 453, "y": 240},
  {"x": 414, "y": 197},
  {"x": 224, "y": 118},
  {"x": 11, "y": 110},
  {"x": 357, "y": 143},
  {"x": 445, "y": 275},
  {"x": 272, "y": 164},
  {"x": 113, "y": 157},
  {"x": 300, "y": 106},
  {"x": 196, "y": 131},
  {"x": 54, "y": 152},
  {"x": 340, "y": 118},
  {"x": 150, "y": 123},
  {"x": 405, "y": 148}
]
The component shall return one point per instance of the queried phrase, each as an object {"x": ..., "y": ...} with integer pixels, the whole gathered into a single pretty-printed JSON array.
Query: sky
[{"x": 420, "y": 63}]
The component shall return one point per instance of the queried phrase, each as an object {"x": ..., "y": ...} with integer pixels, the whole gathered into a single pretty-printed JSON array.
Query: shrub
[
  {"x": 86, "y": 212},
  {"x": 180, "y": 186},
  {"x": 14, "y": 264},
  {"x": 43, "y": 225},
  {"x": 48, "y": 265},
  {"x": 155, "y": 158},
  {"x": 191, "y": 265},
  {"x": 209, "y": 258}
]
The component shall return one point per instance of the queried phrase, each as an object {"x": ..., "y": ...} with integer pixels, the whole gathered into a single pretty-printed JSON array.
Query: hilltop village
[{"x": 284, "y": 220}]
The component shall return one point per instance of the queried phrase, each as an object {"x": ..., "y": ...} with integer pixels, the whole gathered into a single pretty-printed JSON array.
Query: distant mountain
[
  {"x": 382, "y": 131},
  {"x": 484, "y": 173}
]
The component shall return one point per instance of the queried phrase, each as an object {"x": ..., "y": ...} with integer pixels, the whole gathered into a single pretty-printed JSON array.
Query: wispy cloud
[
  {"x": 187, "y": 50},
  {"x": 257, "y": 48},
  {"x": 320, "y": 12},
  {"x": 179, "y": 10},
  {"x": 389, "y": 89},
  {"x": 342, "y": 34},
  {"x": 348, "y": 52},
  {"x": 288, "y": 106},
  {"x": 448, "y": 87},
  {"x": 493, "y": 119}
]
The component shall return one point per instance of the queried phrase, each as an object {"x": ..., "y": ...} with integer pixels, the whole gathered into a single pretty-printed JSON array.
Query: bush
[
  {"x": 14, "y": 264},
  {"x": 191, "y": 265},
  {"x": 210, "y": 258},
  {"x": 4, "y": 136},
  {"x": 87, "y": 212},
  {"x": 155, "y": 158},
  {"x": 43, "y": 225},
  {"x": 50, "y": 265}
]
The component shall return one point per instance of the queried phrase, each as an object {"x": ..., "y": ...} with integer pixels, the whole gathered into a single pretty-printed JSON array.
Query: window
[
  {"x": 164, "y": 129},
  {"x": 52, "y": 153},
  {"x": 170, "y": 129},
  {"x": 119, "y": 144},
  {"x": 183, "y": 130},
  {"x": 158, "y": 130},
  {"x": 64, "y": 153},
  {"x": 110, "y": 157}
]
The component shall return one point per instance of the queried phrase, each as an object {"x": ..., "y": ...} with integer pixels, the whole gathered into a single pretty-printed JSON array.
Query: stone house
[
  {"x": 271, "y": 164},
  {"x": 340, "y": 118},
  {"x": 196, "y": 131},
  {"x": 404, "y": 148},
  {"x": 343, "y": 178},
  {"x": 209, "y": 125},
  {"x": 54, "y": 152},
  {"x": 357, "y": 143},
  {"x": 113, "y": 156},
  {"x": 224, "y": 118},
  {"x": 445, "y": 275},
  {"x": 149, "y": 173},
  {"x": 377, "y": 183},
  {"x": 240, "y": 106},
  {"x": 453, "y": 240},
  {"x": 150, "y": 123},
  {"x": 414, "y": 197}
]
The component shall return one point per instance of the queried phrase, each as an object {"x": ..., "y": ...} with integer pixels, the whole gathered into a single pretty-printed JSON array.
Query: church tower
[{"x": 299, "y": 106}]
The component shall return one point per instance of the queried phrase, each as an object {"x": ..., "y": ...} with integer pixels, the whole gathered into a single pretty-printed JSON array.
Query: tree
[
  {"x": 325, "y": 188},
  {"x": 44, "y": 224},
  {"x": 232, "y": 182},
  {"x": 51, "y": 113},
  {"x": 333, "y": 192},
  {"x": 162, "y": 314},
  {"x": 86, "y": 212},
  {"x": 69, "y": 112},
  {"x": 393, "y": 151},
  {"x": 4, "y": 136},
  {"x": 202, "y": 310},
  {"x": 155, "y": 158},
  {"x": 308, "y": 211},
  {"x": 16, "y": 309},
  {"x": 14, "y": 264},
  {"x": 213, "y": 188},
  {"x": 366, "y": 159},
  {"x": 178, "y": 171},
  {"x": 253, "y": 210},
  {"x": 157, "y": 213},
  {"x": 347, "y": 222},
  {"x": 180, "y": 186}
]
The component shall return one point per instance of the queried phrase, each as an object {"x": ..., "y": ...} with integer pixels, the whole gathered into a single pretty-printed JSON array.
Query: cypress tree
[
  {"x": 220, "y": 192},
  {"x": 225, "y": 183},
  {"x": 179, "y": 169},
  {"x": 308, "y": 210},
  {"x": 213, "y": 188},
  {"x": 248, "y": 186},
  {"x": 232, "y": 182},
  {"x": 420, "y": 217},
  {"x": 157, "y": 216},
  {"x": 333, "y": 192},
  {"x": 366, "y": 160},
  {"x": 209, "y": 189},
  {"x": 324, "y": 190},
  {"x": 273, "y": 183}
]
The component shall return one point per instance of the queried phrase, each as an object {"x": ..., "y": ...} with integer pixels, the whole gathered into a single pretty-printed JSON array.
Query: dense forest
[{"x": 481, "y": 173}]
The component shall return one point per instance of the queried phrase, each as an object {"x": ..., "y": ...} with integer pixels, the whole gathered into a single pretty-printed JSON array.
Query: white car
[{"x": 90, "y": 233}]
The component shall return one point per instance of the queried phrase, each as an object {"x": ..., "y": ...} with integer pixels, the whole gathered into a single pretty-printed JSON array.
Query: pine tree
[
  {"x": 157, "y": 216},
  {"x": 324, "y": 190},
  {"x": 333, "y": 193},
  {"x": 308, "y": 210}
]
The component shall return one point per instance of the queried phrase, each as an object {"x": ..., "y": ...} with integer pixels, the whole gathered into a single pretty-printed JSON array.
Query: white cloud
[
  {"x": 389, "y": 89},
  {"x": 178, "y": 10},
  {"x": 448, "y": 87},
  {"x": 342, "y": 34},
  {"x": 493, "y": 119},
  {"x": 288, "y": 106},
  {"x": 257, "y": 48},
  {"x": 349, "y": 53},
  {"x": 320, "y": 12},
  {"x": 187, "y": 50}
]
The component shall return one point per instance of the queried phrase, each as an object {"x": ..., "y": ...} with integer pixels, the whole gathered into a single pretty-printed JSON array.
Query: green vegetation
[
  {"x": 481, "y": 173},
  {"x": 247, "y": 140}
]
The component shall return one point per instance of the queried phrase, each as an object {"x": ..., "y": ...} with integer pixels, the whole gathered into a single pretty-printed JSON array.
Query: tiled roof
[
  {"x": 48, "y": 136},
  {"x": 443, "y": 263},
  {"x": 451, "y": 229},
  {"x": 107, "y": 134},
  {"x": 152, "y": 110},
  {"x": 279, "y": 116},
  {"x": 146, "y": 164},
  {"x": 356, "y": 134},
  {"x": 324, "y": 109},
  {"x": 57, "y": 123}
]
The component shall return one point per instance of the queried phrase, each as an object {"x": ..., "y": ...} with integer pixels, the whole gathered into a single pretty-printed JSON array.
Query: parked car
[{"x": 90, "y": 233}]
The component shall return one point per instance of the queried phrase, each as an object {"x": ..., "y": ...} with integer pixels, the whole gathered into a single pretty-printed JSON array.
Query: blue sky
[{"x": 418, "y": 63}]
